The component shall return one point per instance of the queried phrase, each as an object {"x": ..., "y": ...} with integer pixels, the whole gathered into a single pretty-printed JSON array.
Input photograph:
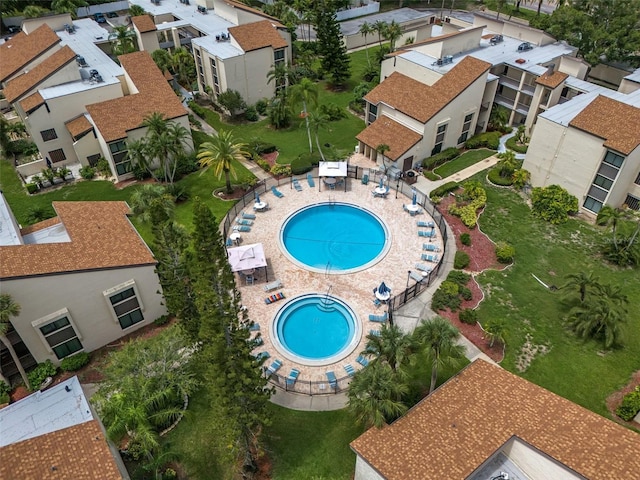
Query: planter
[{"x": 411, "y": 177}]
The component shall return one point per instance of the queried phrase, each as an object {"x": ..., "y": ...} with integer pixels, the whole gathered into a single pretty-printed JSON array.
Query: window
[
  {"x": 93, "y": 159},
  {"x": 632, "y": 202},
  {"x": 637, "y": 180},
  {"x": 592, "y": 204},
  {"x": 613, "y": 159},
  {"x": 57, "y": 155},
  {"x": 214, "y": 74},
  {"x": 49, "y": 134},
  {"x": 278, "y": 56},
  {"x": 440, "y": 134},
  {"x": 126, "y": 307},
  {"x": 61, "y": 337},
  {"x": 373, "y": 112},
  {"x": 466, "y": 126},
  {"x": 603, "y": 181},
  {"x": 120, "y": 154}
]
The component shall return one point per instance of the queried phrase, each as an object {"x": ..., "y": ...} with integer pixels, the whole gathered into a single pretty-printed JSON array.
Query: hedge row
[
  {"x": 490, "y": 140},
  {"x": 442, "y": 190},
  {"x": 440, "y": 158}
]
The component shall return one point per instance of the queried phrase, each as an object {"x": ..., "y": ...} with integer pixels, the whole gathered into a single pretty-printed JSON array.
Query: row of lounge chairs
[{"x": 274, "y": 298}]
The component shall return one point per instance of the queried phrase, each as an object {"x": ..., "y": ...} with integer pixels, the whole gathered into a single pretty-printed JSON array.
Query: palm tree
[
  {"x": 598, "y": 319},
  {"x": 610, "y": 216},
  {"x": 437, "y": 338},
  {"x": 220, "y": 153},
  {"x": 305, "y": 93},
  {"x": 318, "y": 120},
  {"x": 279, "y": 112},
  {"x": 392, "y": 347},
  {"x": 8, "y": 309},
  {"x": 68, "y": 6},
  {"x": 162, "y": 58},
  {"x": 382, "y": 149},
  {"x": 165, "y": 141},
  {"x": 614, "y": 294},
  {"x": 34, "y": 11},
  {"x": 380, "y": 28},
  {"x": 392, "y": 33},
  {"x": 583, "y": 282},
  {"x": 366, "y": 29},
  {"x": 122, "y": 40},
  {"x": 136, "y": 10},
  {"x": 496, "y": 329},
  {"x": 279, "y": 75},
  {"x": 152, "y": 203},
  {"x": 375, "y": 395},
  {"x": 184, "y": 65}
]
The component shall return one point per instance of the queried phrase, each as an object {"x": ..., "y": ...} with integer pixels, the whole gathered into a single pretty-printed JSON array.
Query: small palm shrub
[
  {"x": 630, "y": 405},
  {"x": 468, "y": 316},
  {"x": 4, "y": 388},
  {"x": 505, "y": 252},
  {"x": 75, "y": 362},
  {"x": 332, "y": 111},
  {"x": 40, "y": 374},
  {"x": 103, "y": 167},
  {"x": 87, "y": 172},
  {"x": 251, "y": 114},
  {"x": 461, "y": 260},
  {"x": 465, "y": 239},
  {"x": 261, "y": 106}
]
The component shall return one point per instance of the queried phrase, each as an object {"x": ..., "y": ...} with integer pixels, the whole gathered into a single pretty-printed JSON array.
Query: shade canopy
[
  {"x": 246, "y": 257},
  {"x": 332, "y": 169}
]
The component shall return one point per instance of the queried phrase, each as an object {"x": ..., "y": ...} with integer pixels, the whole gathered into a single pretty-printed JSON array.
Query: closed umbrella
[
  {"x": 414, "y": 200},
  {"x": 257, "y": 198},
  {"x": 381, "y": 182}
]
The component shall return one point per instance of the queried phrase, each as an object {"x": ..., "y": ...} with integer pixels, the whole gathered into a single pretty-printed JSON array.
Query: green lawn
[
  {"x": 463, "y": 161},
  {"x": 574, "y": 369}
]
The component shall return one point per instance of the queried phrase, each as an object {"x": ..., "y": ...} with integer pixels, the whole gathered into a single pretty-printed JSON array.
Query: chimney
[{"x": 550, "y": 69}]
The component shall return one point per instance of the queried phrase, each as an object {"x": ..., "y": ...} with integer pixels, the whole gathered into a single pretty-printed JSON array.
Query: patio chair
[
  {"x": 430, "y": 247},
  {"x": 350, "y": 370},
  {"x": 362, "y": 360},
  {"x": 333, "y": 381},
  {"x": 423, "y": 267},
  {"x": 277, "y": 192},
  {"x": 310, "y": 180},
  {"x": 273, "y": 368},
  {"x": 379, "y": 318},
  {"x": 249, "y": 279},
  {"x": 248, "y": 216},
  {"x": 422, "y": 223},
  {"x": 229, "y": 242},
  {"x": 255, "y": 327},
  {"x": 375, "y": 333},
  {"x": 296, "y": 185},
  {"x": 427, "y": 233},
  {"x": 273, "y": 285},
  {"x": 377, "y": 302},
  {"x": 242, "y": 228},
  {"x": 242, "y": 221},
  {"x": 293, "y": 376},
  {"x": 426, "y": 257},
  {"x": 365, "y": 179},
  {"x": 416, "y": 276}
]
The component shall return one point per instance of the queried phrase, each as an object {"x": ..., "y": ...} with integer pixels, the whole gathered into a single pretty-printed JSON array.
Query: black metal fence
[{"x": 311, "y": 387}]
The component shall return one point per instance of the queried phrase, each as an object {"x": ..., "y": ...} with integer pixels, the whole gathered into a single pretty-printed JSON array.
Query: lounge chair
[
  {"x": 277, "y": 192},
  {"x": 273, "y": 285},
  {"x": 428, "y": 234},
  {"x": 365, "y": 179},
  {"x": 423, "y": 267},
  {"x": 274, "y": 298},
  {"x": 377, "y": 302},
  {"x": 310, "y": 180},
  {"x": 430, "y": 247},
  {"x": 427, "y": 257},
  {"x": 242, "y": 221},
  {"x": 255, "y": 327},
  {"x": 259, "y": 341},
  {"x": 248, "y": 216},
  {"x": 379, "y": 318},
  {"x": 416, "y": 276},
  {"x": 229, "y": 242},
  {"x": 350, "y": 370},
  {"x": 262, "y": 356},
  {"x": 375, "y": 333},
  {"x": 333, "y": 381},
  {"x": 296, "y": 185},
  {"x": 422, "y": 223},
  {"x": 242, "y": 228},
  {"x": 273, "y": 368},
  {"x": 362, "y": 360},
  {"x": 293, "y": 376}
]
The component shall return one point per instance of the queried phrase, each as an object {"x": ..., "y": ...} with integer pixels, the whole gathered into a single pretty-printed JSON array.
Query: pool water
[
  {"x": 334, "y": 238},
  {"x": 315, "y": 329}
]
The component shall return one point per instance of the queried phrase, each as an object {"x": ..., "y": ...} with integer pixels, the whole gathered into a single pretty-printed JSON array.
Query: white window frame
[
  {"x": 120, "y": 288},
  {"x": 52, "y": 317}
]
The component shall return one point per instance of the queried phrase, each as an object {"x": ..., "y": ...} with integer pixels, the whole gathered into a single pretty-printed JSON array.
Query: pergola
[
  {"x": 247, "y": 258},
  {"x": 332, "y": 170}
]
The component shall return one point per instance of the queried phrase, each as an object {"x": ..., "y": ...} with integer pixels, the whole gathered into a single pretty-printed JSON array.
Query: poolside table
[
  {"x": 260, "y": 206},
  {"x": 235, "y": 236},
  {"x": 413, "y": 207}
]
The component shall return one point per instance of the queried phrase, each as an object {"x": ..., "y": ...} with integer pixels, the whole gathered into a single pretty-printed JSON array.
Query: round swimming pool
[
  {"x": 334, "y": 238},
  {"x": 315, "y": 329}
]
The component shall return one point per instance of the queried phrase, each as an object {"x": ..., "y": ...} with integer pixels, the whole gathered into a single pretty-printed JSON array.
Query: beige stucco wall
[
  {"x": 147, "y": 41},
  {"x": 364, "y": 471},
  {"x": 410, "y": 69},
  {"x": 627, "y": 86},
  {"x": 607, "y": 74},
  {"x": 535, "y": 464},
  {"x": 573, "y": 66},
  {"x": 86, "y": 146},
  {"x": 624, "y": 183},
  {"x": 56, "y": 22},
  {"x": 82, "y": 295},
  {"x": 514, "y": 30}
]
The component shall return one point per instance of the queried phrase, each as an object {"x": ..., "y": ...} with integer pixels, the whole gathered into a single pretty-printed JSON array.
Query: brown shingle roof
[
  {"x": 23, "y": 48},
  {"x": 80, "y": 452},
  {"x": 421, "y": 101},
  {"x": 553, "y": 80},
  {"x": 101, "y": 237},
  {"x": 385, "y": 130},
  {"x": 78, "y": 126},
  {"x": 114, "y": 118},
  {"x": 32, "y": 102},
  {"x": 616, "y": 122},
  {"x": 453, "y": 431},
  {"x": 20, "y": 85},
  {"x": 49, "y": 222},
  {"x": 253, "y": 36},
  {"x": 144, "y": 23}
]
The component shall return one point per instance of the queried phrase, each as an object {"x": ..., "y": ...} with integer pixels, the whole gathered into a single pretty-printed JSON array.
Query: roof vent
[
  {"x": 81, "y": 61},
  {"x": 550, "y": 69}
]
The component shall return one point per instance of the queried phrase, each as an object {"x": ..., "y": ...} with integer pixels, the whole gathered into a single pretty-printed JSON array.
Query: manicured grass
[
  {"x": 574, "y": 369},
  {"x": 463, "y": 161}
]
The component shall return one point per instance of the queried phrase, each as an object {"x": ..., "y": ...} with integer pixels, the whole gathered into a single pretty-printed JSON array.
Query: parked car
[
  {"x": 99, "y": 17},
  {"x": 112, "y": 14}
]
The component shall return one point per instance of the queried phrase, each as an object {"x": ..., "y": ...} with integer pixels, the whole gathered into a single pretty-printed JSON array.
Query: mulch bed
[
  {"x": 482, "y": 257},
  {"x": 270, "y": 158},
  {"x": 615, "y": 399}
]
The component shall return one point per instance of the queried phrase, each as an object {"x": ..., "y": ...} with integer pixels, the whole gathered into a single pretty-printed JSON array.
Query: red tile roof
[
  {"x": 101, "y": 237},
  {"x": 616, "y": 122},
  {"x": 389, "y": 132},
  {"x": 421, "y": 101},
  {"x": 253, "y": 36},
  {"x": 22, "y": 49},
  {"x": 80, "y": 452},
  {"x": 144, "y": 23},
  {"x": 453, "y": 431},
  {"x": 114, "y": 118},
  {"x": 18, "y": 86}
]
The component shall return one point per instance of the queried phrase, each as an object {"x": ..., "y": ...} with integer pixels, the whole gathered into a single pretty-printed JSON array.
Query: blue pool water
[
  {"x": 334, "y": 238},
  {"x": 315, "y": 328}
]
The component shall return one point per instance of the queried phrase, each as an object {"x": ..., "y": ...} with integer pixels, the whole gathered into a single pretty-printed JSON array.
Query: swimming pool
[
  {"x": 315, "y": 329},
  {"x": 334, "y": 238}
]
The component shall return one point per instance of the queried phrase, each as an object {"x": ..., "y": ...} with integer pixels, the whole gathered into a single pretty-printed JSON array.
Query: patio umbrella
[
  {"x": 257, "y": 198},
  {"x": 382, "y": 289},
  {"x": 415, "y": 198},
  {"x": 381, "y": 182}
]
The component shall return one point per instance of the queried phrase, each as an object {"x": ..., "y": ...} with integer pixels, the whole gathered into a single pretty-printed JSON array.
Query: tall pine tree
[
  {"x": 235, "y": 376},
  {"x": 332, "y": 50}
]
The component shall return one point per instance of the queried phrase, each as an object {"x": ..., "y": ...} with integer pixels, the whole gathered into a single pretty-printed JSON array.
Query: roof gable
[
  {"x": 23, "y": 48},
  {"x": 253, "y": 36},
  {"x": 385, "y": 130},
  {"x": 144, "y": 23}
]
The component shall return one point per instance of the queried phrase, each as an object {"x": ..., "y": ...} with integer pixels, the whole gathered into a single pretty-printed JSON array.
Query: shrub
[
  {"x": 261, "y": 106},
  {"x": 22, "y": 147},
  {"x": 87, "y": 172},
  {"x": 468, "y": 316},
  {"x": 497, "y": 179},
  {"x": 630, "y": 405},
  {"x": 4, "y": 387},
  {"x": 31, "y": 188},
  {"x": 251, "y": 114},
  {"x": 281, "y": 170},
  {"x": 476, "y": 195},
  {"x": 461, "y": 260},
  {"x": 458, "y": 277},
  {"x": 447, "y": 295},
  {"x": 75, "y": 362},
  {"x": 512, "y": 144},
  {"x": 4, "y": 398},
  {"x": 553, "y": 203},
  {"x": 440, "y": 158},
  {"x": 262, "y": 148},
  {"x": 187, "y": 164},
  {"x": 178, "y": 191},
  {"x": 194, "y": 121},
  {"x": 356, "y": 107},
  {"x": 505, "y": 252},
  {"x": 465, "y": 239},
  {"x": 490, "y": 140},
  {"x": 40, "y": 373},
  {"x": 103, "y": 167},
  {"x": 140, "y": 172},
  {"x": 162, "y": 320},
  {"x": 263, "y": 164},
  {"x": 232, "y": 102},
  {"x": 333, "y": 111},
  {"x": 442, "y": 190},
  {"x": 466, "y": 293},
  {"x": 304, "y": 163}
]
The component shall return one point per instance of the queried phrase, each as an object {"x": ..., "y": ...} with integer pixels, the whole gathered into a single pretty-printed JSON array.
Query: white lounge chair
[{"x": 273, "y": 285}]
